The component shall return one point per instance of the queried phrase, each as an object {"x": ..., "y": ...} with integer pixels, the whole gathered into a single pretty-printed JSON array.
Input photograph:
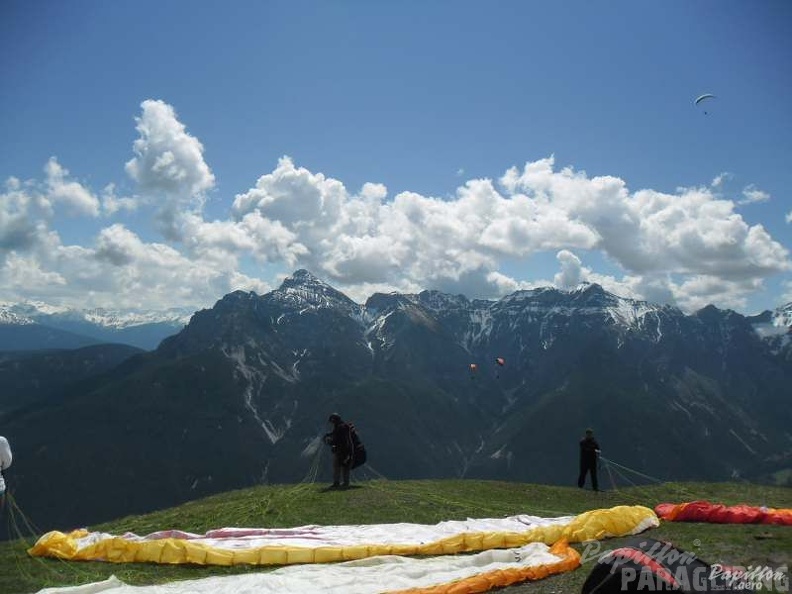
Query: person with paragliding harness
[
  {"x": 589, "y": 455},
  {"x": 348, "y": 451}
]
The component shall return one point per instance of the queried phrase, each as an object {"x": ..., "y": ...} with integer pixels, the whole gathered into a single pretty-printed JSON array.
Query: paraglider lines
[{"x": 613, "y": 467}]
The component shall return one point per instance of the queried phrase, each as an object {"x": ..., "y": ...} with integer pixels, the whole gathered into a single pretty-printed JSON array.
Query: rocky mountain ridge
[{"x": 240, "y": 396}]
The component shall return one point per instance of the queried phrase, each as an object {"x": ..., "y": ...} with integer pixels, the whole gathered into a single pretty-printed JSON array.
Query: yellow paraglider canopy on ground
[
  {"x": 510, "y": 550},
  {"x": 324, "y": 544}
]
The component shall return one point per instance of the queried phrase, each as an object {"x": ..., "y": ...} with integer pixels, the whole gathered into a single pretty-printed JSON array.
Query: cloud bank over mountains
[{"x": 690, "y": 247}]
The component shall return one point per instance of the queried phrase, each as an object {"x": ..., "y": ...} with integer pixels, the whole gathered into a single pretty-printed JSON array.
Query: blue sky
[{"x": 159, "y": 154}]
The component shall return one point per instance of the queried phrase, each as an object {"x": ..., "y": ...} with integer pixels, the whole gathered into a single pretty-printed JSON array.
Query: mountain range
[
  {"x": 34, "y": 326},
  {"x": 437, "y": 385}
]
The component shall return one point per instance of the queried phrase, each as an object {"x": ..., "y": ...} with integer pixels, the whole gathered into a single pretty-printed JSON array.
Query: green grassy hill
[{"x": 382, "y": 501}]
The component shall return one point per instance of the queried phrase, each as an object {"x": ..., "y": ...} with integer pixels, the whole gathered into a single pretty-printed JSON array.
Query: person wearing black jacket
[
  {"x": 589, "y": 453},
  {"x": 340, "y": 439}
]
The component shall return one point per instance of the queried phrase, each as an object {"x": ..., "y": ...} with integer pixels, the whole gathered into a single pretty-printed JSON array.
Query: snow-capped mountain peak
[{"x": 303, "y": 289}]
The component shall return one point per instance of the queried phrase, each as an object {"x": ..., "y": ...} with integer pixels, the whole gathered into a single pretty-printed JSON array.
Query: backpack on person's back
[{"x": 359, "y": 450}]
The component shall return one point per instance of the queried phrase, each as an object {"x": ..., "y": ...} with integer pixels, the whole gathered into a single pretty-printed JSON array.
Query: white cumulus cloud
[
  {"x": 689, "y": 247},
  {"x": 787, "y": 298},
  {"x": 71, "y": 193},
  {"x": 112, "y": 204},
  {"x": 752, "y": 195},
  {"x": 459, "y": 243},
  {"x": 19, "y": 228},
  {"x": 647, "y": 232},
  {"x": 28, "y": 208},
  {"x": 169, "y": 165},
  {"x": 571, "y": 273}
]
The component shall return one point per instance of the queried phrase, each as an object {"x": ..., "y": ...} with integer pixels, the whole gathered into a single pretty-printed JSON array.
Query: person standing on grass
[
  {"x": 589, "y": 455},
  {"x": 340, "y": 440}
]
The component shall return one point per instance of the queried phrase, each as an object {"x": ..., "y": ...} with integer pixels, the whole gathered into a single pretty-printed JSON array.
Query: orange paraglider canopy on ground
[{"x": 704, "y": 511}]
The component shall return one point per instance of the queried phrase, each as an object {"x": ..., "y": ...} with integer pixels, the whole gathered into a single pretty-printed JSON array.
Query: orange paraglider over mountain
[{"x": 473, "y": 370}]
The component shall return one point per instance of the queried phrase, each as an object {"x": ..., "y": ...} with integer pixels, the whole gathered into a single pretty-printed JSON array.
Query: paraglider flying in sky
[
  {"x": 702, "y": 100},
  {"x": 473, "y": 370},
  {"x": 500, "y": 361}
]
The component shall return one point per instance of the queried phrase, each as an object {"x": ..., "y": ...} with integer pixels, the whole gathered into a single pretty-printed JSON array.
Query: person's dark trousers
[
  {"x": 588, "y": 466},
  {"x": 340, "y": 471}
]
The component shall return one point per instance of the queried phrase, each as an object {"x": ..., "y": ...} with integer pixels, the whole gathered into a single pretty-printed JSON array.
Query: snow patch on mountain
[
  {"x": 376, "y": 332},
  {"x": 255, "y": 381},
  {"x": 630, "y": 313},
  {"x": 783, "y": 316},
  {"x": 13, "y": 319},
  {"x": 479, "y": 327},
  {"x": 547, "y": 306},
  {"x": 299, "y": 356},
  {"x": 33, "y": 309}
]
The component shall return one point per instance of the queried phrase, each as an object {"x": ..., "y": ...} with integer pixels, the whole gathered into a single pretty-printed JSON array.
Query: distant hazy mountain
[
  {"x": 30, "y": 336},
  {"x": 40, "y": 378},
  {"x": 241, "y": 396},
  {"x": 31, "y": 326}
]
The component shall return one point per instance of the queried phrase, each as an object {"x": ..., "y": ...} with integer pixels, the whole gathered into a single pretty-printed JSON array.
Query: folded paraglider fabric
[
  {"x": 392, "y": 574},
  {"x": 704, "y": 511},
  {"x": 324, "y": 544}
]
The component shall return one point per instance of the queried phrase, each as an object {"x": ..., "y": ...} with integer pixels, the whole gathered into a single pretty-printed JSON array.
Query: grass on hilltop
[{"x": 383, "y": 501}]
